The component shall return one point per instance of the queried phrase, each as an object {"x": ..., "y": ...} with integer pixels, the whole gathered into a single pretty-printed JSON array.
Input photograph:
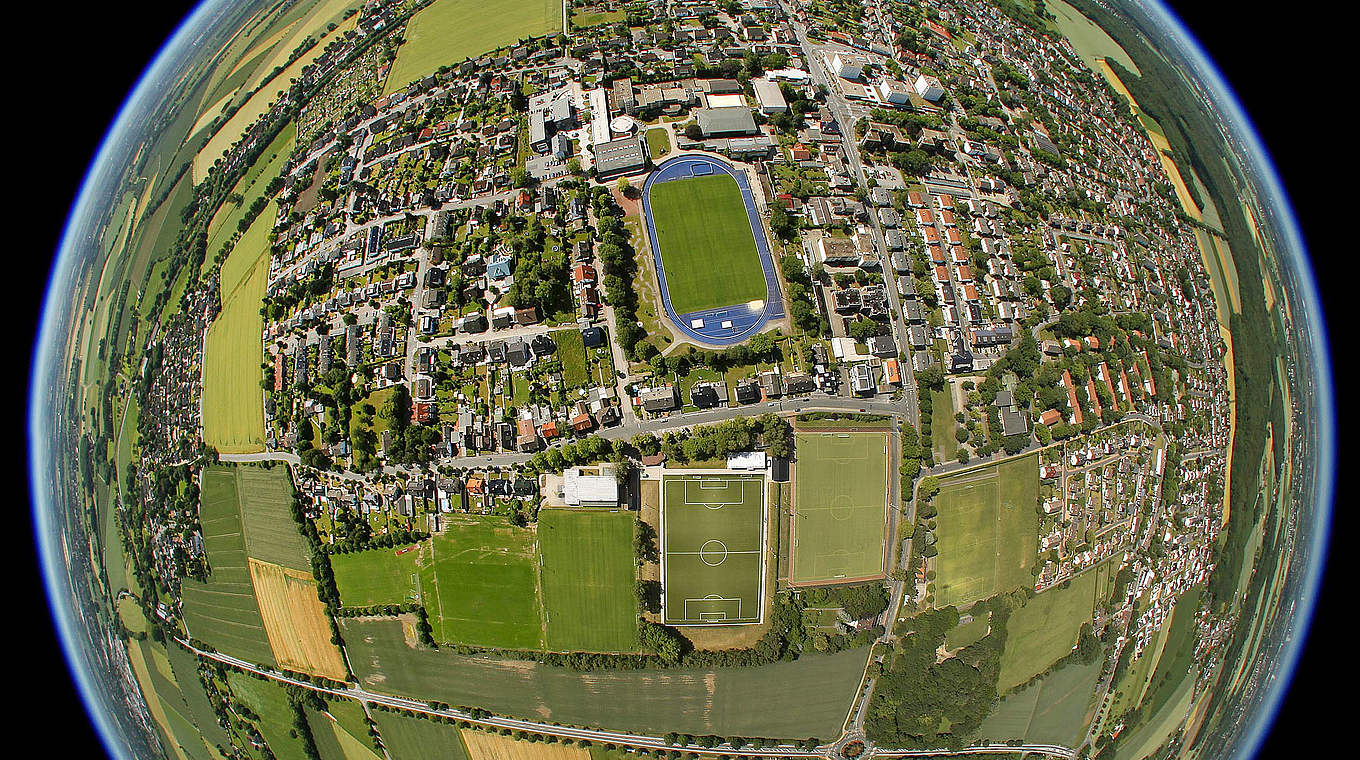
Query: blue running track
[{"x": 727, "y": 325}]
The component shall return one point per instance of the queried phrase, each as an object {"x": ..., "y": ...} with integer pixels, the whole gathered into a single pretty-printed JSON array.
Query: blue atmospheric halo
[{"x": 88, "y": 652}]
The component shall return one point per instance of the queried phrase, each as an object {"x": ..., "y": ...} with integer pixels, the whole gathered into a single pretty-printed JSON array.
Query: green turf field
[
  {"x": 410, "y": 738},
  {"x": 377, "y": 576},
  {"x": 1044, "y": 630},
  {"x": 233, "y": 400},
  {"x": 706, "y": 243},
  {"x": 480, "y": 585},
  {"x": 713, "y": 549},
  {"x": 223, "y": 611},
  {"x": 988, "y": 529},
  {"x": 588, "y": 580},
  {"x": 840, "y": 496},
  {"x": 807, "y": 697},
  {"x": 449, "y": 31}
]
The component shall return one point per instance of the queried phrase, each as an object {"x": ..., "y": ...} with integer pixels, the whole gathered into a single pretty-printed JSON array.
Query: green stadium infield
[
  {"x": 713, "y": 548},
  {"x": 840, "y": 518}
]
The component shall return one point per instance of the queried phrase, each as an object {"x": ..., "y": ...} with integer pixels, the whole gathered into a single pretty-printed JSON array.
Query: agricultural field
[
  {"x": 1054, "y": 710},
  {"x": 185, "y": 666},
  {"x": 1044, "y": 630},
  {"x": 377, "y": 576},
  {"x": 988, "y": 529},
  {"x": 480, "y": 585},
  {"x": 712, "y": 549},
  {"x": 450, "y": 31},
  {"x": 588, "y": 578},
  {"x": 707, "y": 246},
  {"x": 295, "y": 620},
  {"x": 272, "y": 535},
  {"x": 233, "y": 399},
  {"x": 1090, "y": 41},
  {"x": 223, "y": 612},
  {"x": 808, "y": 696},
  {"x": 839, "y": 507},
  {"x": 487, "y": 746},
  {"x": 268, "y": 700},
  {"x": 338, "y": 741},
  {"x": 251, "y": 187},
  {"x": 418, "y": 739}
]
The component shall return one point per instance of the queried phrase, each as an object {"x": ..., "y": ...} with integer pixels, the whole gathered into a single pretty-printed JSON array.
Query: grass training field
[
  {"x": 418, "y": 739},
  {"x": 706, "y": 242},
  {"x": 806, "y": 697},
  {"x": 839, "y": 517},
  {"x": 295, "y": 620},
  {"x": 377, "y": 576},
  {"x": 223, "y": 612},
  {"x": 233, "y": 400},
  {"x": 450, "y": 31},
  {"x": 713, "y": 549},
  {"x": 588, "y": 580},
  {"x": 1044, "y": 630},
  {"x": 480, "y": 584},
  {"x": 988, "y": 529}
]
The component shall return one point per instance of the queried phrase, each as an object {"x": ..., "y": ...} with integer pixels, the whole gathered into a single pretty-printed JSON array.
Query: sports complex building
[{"x": 713, "y": 260}]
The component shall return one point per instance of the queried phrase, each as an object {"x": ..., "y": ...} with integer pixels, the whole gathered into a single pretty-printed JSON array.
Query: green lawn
[
  {"x": 571, "y": 351},
  {"x": 658, "y": 142},
  {"x": 942, "y": 424},
  {"x": 988, "y": 530},
  {"x": 450, "y": 31},
  {"x": 808, "y": 696},
  {"x": 410, "y": 738},
  {"x": 481, "y": 587},
  {"x": 1045, "y": 630},
  {"x": 377, "y": 576},
  {"x": 223, "y": 612},
  {"x": 839, "y": 521},
  {"x": 706, "y": 242},
  {"x": 1052, "y": 711},
  {"x": 713, "y": 539},
  {"x": 233, "y": 400},
  {"x": 588, "y": 578}
]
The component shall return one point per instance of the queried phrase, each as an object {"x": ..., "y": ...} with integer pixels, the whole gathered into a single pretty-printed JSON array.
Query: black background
[{"x": 71, "y": 90}]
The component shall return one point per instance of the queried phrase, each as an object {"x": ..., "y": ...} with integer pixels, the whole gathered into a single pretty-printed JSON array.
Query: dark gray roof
[{"x": 730, "y": 120}]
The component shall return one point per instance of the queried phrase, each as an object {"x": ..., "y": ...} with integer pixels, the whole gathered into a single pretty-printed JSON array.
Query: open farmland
[
  {"x": 481, "y": 585},
  {"x": 269, "y": 701},
  {"x": 377, "y": 576},
  {"x": 706, "y": 242},
  {"x": 809, "y": 696},
  {"x": 266, "y": 496},
  {"x": 449, "y": 31},
  {"x": 1044, "y": 630},
  {"x": 233, "y": 401},
  {"x": 482, "y": 745},
  {"x": 588, "y": 577},
  {"x": 295, "y": 620},
  {"x": 1052, "y": 711},
  {"x": 418, "y": 739},
  {"x": 839, "y": 518},
  {"x": 988, "y": 530},
  {"x": 223, "y": 612},
  {"x": 332, "y": 738}
]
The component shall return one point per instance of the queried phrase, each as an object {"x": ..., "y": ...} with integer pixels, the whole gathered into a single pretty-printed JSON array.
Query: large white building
[
  {"x": 769, "y": 96},
  {"x": 929, "y": 87},
  {"x": 581, "y": 490},
  {"x": 847, "y": 65},
  {"x": 894, "y": 92}
]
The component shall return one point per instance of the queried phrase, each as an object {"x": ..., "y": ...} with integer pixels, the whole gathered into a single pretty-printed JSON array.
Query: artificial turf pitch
[
  {"x": 839, "y": 508},
  {"x": 713, "y": 541},
  {"x": 706, "y": 242}
]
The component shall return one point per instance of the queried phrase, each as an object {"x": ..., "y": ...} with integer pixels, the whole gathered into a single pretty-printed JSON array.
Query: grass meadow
[
  {"x": 988, "y": 530},
  {"x": 588, "y": 578},
  {"x": 450, "y": 31},
  {"x": 480, "y": 582}
]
